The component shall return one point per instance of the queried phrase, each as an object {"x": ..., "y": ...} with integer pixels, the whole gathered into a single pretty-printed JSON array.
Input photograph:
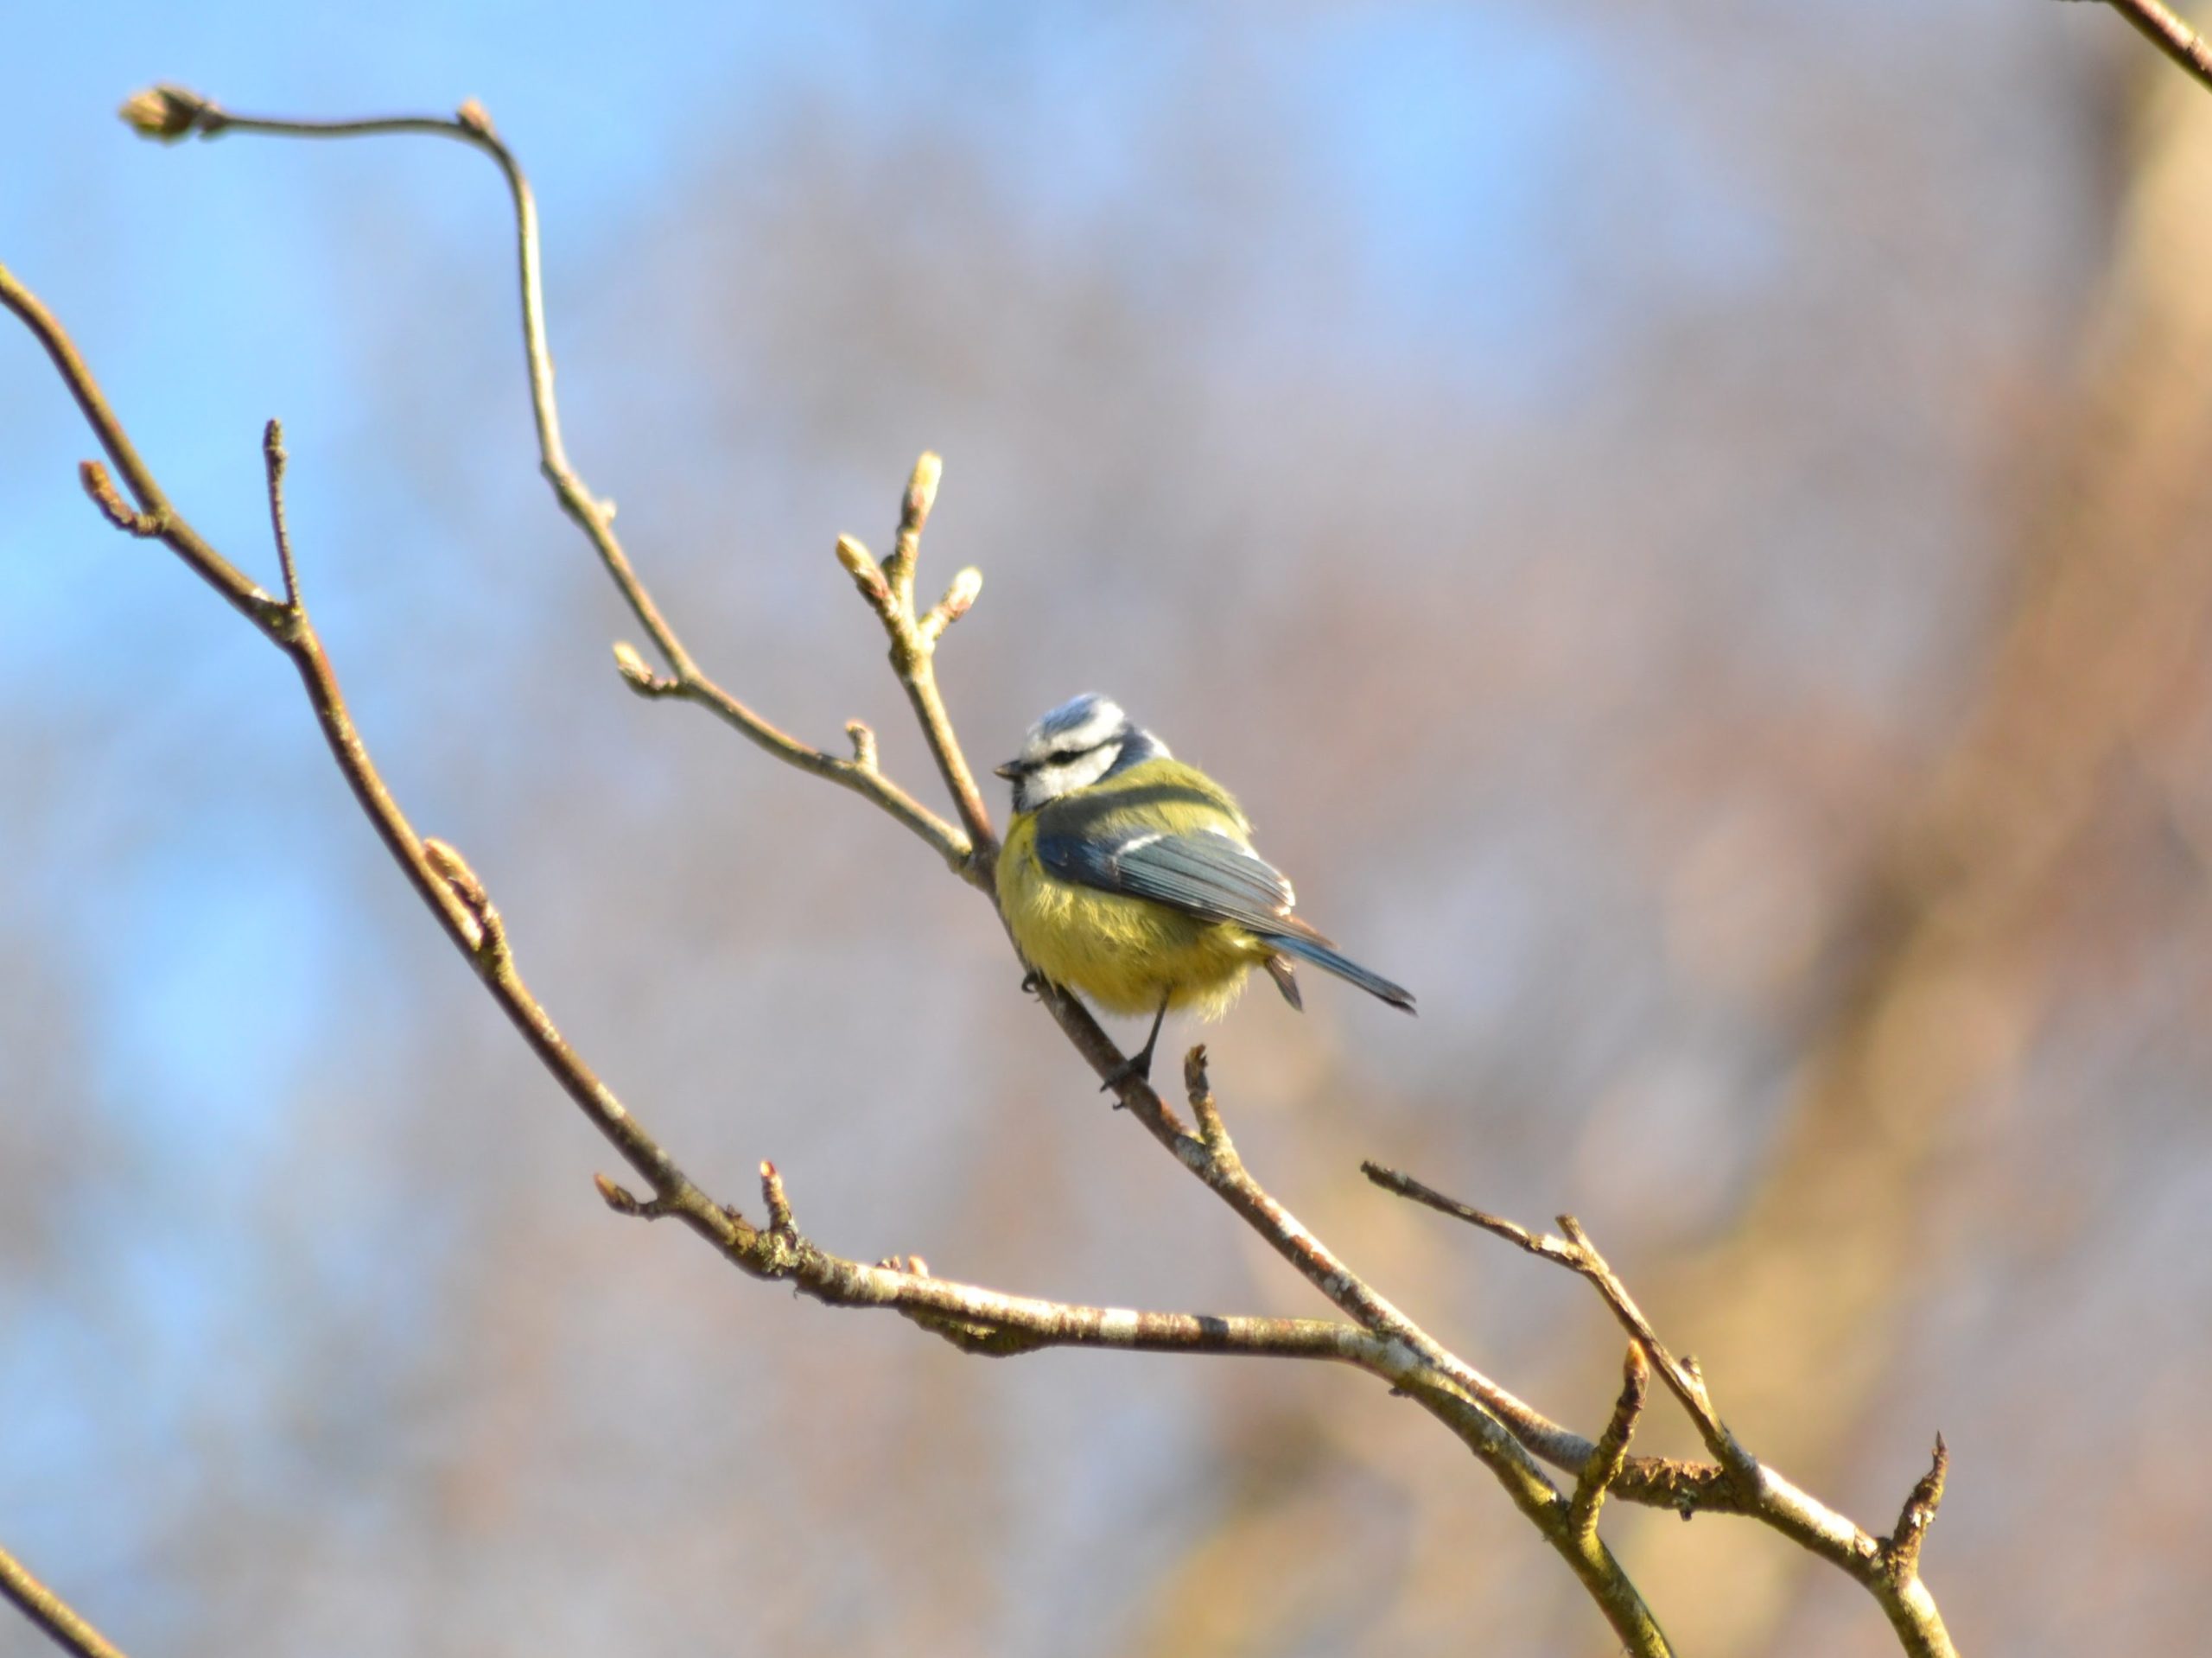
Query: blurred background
[{"x": 1688, "y": 528}]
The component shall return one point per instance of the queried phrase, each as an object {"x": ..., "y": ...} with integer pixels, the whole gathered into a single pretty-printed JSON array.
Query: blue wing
[
  {"x": 1205, "y": 874},
  {"x": 1215, "y": 878}
]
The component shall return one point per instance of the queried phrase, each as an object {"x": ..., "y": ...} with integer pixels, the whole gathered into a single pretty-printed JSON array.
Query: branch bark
[
  {"x": 973, "y": 1318},
  {"x": 172, "y": 113},
  {"x": 1506, "y": 1435},
  {"x": 1889, "y": 1567},
  {"x": 61, "y": 1621},
  {"x": 2164, "y": 28}
]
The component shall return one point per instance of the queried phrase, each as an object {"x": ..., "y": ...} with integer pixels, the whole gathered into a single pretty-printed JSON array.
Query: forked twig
[
  {"x": 1888, "y": 1567},
  {"x": 1503, "y": 1432}
]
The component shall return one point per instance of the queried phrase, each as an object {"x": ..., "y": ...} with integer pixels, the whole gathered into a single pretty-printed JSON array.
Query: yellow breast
[{"x": 1124, "y": 953}]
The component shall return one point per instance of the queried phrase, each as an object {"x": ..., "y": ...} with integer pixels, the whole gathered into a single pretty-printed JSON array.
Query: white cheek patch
[
  {"x": 1051, "y": 782},
  {"x": 1084, "y": 769}
]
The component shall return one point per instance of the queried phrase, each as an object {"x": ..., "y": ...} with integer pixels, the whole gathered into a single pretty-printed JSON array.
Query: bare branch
[
  {"x": 1383, "y": 1342},
  {"x": 1452, "y": 1390},
  {"x": 61, "y": 1621},
  {"x": 273, "y": 458},
  {"x": 174, "y": 113},
  {"x": 1604, "y": 1464},
  {"x": 913, "y": 658},
  {"x": 1918, "y": 1514},
  {"x": 1499, "y": 1429},
  {"x": 1576, "y": 1253},
  {"x": 2164, "y": 30},
  {"x": 458, "y": 896},
  {"x": 1761, "y": 1491}
]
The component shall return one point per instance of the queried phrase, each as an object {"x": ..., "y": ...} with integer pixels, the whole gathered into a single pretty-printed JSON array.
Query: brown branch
[
  {"x": 2164, "y": 30},
  {"x": 171, "y": 113},
  {"x": 1903, "y": 1554},
  {"x": 1576, "y": 1253},
  {"x": 1604, "y": 1464},
  {"x": 61, "y": 1621},
  {"x": 1384, "y": 1343},
  {"x": 1884, "y": 1566},
  {"x": 462, "y": 903},
  {"x": 1500, "y": 1430},
  {"x": 1467, "y": 1401},
  {"x": 273, "y": 459},
  {"x": 889, "y": 589}
]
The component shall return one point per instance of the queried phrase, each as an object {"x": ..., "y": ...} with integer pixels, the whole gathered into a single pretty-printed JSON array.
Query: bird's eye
[{"x": 1062, "y": 756}]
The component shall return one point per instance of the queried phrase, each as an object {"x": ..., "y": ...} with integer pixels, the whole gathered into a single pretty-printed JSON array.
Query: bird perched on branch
[{"x": 1130, "y": 877}]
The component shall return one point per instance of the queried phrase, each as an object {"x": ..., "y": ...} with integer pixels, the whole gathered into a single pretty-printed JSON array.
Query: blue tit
[{"x": 1130, "y": 877}]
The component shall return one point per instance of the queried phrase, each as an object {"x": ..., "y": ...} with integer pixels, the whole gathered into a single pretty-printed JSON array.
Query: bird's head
[{"x": 1085, "y": 738}]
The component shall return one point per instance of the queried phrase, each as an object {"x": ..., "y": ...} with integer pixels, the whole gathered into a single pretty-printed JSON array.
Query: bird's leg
[{"x": 1138, "y": 1065}]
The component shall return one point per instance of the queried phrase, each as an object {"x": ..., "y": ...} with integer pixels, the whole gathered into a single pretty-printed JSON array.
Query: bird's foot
[
  {"x": 1137, "y": 1068},
  {"x": 1032, "y": 983}
]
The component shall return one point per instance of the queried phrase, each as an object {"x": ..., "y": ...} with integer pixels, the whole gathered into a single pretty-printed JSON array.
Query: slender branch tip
[
  {"x": 780, "y": 1220},
  {"x": 1195, "y": 1083},
  {"x": 1901, "y": 1549},
  {"x": 1609, "y": 1454},
  {"x": 273, "y": 459}
]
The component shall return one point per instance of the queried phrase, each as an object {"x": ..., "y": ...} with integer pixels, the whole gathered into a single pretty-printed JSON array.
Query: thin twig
[
  {"x": 1494, "y": 1424},
  {"x": 1918, "y": 1514},
  {"x": 1384, "y": 1342},
  {"x": 175, "y": 113},
  {"x": 1880, "y": 1564},
  {"x": 2164, "y": 30},
  {"x": 460, "y": 898},
  {"x": 1604, "y": 1464},
  {"x": 1455, "y": 1393},
  {"x": 1577, "y": 1254},
  {"x": 273, "y": 458},
  {"x": 62, "y": 1621}
]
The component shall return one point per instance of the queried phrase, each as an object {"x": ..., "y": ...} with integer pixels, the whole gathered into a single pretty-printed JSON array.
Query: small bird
[{"x": 1130, "y": 877}]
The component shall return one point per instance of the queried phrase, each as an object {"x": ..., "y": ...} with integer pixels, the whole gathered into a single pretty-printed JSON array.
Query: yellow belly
[{"x": 1123, "y": 953}]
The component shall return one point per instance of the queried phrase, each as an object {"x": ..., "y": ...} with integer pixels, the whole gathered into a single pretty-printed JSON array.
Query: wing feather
[{"x": 1207, "y": 875}]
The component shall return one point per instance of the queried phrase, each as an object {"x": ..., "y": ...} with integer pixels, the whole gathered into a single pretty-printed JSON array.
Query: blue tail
[{"x": 1313, "y": 950}]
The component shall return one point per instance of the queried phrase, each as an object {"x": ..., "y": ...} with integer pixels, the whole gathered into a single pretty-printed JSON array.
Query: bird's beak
[{"x": 1010, "y": 771}]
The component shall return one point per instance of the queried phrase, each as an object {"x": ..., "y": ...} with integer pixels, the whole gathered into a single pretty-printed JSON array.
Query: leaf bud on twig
[
  {"x": 921, "y": 493},
  {"x": 166, "y": 113},
  {"x": 632, "y": 666},
  {"x": 860, "y": 565}
]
